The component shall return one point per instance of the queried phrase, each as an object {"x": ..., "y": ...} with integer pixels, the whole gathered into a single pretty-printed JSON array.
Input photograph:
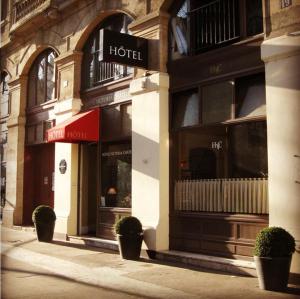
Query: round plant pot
[
  {"x": 273, "y": 272},
  {"x": 44, "y": 231},
  {"x": 130, "y": 246}
]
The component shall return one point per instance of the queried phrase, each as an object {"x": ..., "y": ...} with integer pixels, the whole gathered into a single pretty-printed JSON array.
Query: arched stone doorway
[{"x": 39, "y": 155}]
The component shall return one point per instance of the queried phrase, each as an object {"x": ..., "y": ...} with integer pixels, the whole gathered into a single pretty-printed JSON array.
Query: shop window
[
  {"x": 248, "y": 150},
  {"x": 116, "y": 122},
  {"x": 243, "y": 97},
  {"x": 222, "y": 169},
  {"x": 199, "y": 26},
  {"x": 250, "y": 96},
  {"x": 95, "y": 72},
  {"x": 36, "y": 133},
  {"x": 30, "y": 134},
  {"x": 116, "y": 175},
  {"x": 41, "y": 87},
  {"x": 116, "y": 156},
  {"x": 220, "y": 161},
  {"x": 186, "y": 110},
  {"x": 216, "y": 102}
]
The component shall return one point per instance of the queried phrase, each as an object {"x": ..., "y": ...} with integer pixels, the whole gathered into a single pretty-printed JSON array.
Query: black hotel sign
[{"x": 123, "y": 49}]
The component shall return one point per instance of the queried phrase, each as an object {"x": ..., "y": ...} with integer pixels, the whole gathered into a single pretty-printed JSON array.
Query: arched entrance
[{"x": 39, "y": 156}]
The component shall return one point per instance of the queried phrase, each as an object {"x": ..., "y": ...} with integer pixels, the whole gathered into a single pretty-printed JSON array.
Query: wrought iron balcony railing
[{"x": 214, "y": 24}]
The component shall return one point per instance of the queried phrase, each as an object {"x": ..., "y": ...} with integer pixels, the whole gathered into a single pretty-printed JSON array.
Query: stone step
[
  {"x": 235, "y": 266},
  {"x": 95, "y": 242}
]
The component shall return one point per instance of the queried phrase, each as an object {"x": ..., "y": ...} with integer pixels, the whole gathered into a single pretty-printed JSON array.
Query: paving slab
[{"x": 32, "y": 269}]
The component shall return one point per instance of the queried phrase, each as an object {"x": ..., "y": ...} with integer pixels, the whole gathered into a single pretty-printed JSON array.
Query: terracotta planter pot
[
  {"x": 273, "y": 273},
  {"x": 130, "y": 246},
  {"x": 44, "y": 231}
]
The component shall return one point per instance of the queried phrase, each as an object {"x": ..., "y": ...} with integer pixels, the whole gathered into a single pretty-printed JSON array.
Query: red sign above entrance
[{"x": 81, "y": 127}]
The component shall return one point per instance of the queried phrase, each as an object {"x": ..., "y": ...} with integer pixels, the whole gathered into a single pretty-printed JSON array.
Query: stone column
[
  {"x": 282, "y": 60},
  {"x": 13, "y": 210},
  {"x": 66, "y": 185},
  {"x": 150, "y": 157}
]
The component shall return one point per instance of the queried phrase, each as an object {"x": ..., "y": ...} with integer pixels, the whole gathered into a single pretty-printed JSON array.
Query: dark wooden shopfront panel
[
  {"x": 38, "y": 178},
  {"x": 215, "y": 234},
  {"x": 107, "y": 219}
]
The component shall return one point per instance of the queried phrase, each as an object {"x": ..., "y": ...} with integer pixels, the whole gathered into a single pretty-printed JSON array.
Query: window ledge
[
  {"x": 245, "y": 119},
  {"x": 249, "y": 39},
  {"x": 41, "y": 107},
  {"x": 108, "y": 84}
]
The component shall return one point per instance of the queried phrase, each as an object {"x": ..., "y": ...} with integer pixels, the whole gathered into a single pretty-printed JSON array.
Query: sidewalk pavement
[{"x": 32, "y": 269}]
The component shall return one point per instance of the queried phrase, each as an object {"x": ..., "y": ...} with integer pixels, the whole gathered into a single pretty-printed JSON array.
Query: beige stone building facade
[{"x": 202, "y": 144}]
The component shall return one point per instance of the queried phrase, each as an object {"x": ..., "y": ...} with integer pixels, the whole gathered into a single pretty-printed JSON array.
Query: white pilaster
[
  {"x": 282, "y": 60},
  {"x": 150, "y": 157}
]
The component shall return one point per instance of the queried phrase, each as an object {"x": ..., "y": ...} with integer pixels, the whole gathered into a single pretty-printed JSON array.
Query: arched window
[
  {"x": 4, "y": 95},
  {"x": 95, "y": 72},
  {"x": 42, "y": 79},
  {"x": 4, "y": 111}
]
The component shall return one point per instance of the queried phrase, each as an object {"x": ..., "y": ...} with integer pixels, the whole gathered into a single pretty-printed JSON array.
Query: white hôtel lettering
[
  {"x": 122, "y": 52},
  {"x": 76, "y": 134},
  {"x": 56, "y": 134}
]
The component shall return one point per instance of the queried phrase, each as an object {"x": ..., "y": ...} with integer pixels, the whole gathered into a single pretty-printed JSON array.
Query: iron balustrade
[
  {"x": 105, "y": 72},
  {"x": 214, "y": 24}
]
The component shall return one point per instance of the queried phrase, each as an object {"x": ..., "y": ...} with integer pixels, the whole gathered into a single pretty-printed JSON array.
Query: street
[{"x": 31, "y": 269}]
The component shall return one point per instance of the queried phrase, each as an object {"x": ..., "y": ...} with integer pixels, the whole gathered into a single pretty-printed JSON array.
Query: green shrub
[
  {"x": 43, "y": 214},
  {"x": 274, "y": 242},
  {"x": 128, "y": 225}
]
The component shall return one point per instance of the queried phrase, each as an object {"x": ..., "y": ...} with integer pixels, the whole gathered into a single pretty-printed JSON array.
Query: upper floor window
[
  {"x": 4, "y": 104},
  {"x": 41, "y": 87},
  {"x": 95, "y": 72},
  {"x": 199, "y": 26}
]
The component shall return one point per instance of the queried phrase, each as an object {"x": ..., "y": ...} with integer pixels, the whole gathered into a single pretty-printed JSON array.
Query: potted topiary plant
[
  {"x": 44, "y": 218},
  {"x": 129, "y": 233},
  {"x": 273, "y": 251}
]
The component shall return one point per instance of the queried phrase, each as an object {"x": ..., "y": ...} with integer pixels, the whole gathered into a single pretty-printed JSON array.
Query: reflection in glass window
[
  {"x": 186, "y": 109},
  {"x": 251, "y": 96},
  {"x": 4, "y": 112},
  {"x": 254, "y": 17},
  {"x": 50, "y": 77},
  {"x": 40, "y": 98},
  {"x": 222, "y": 169},
  {"x": 4, "y": 104},
  {"x": 116, "y": 122},
  {"x": 41, "y": 85},
  {"x": 216, "y": 102},
  {"x": 179, "y": 30},
  {"x": 248, "y": 146},
  {"x": 116, "y": 175}
]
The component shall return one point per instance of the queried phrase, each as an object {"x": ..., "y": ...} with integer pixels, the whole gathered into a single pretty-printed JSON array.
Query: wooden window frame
[
  {"x": 91, "y": 49},
  {"x": 234, "y": 119},
  {"x": 33, "y": 73}
]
